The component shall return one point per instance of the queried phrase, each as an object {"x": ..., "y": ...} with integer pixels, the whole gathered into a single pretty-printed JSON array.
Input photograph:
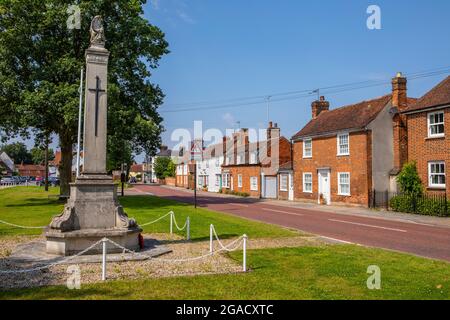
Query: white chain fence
[
  {"x": 232, "y": 246},
  {"x": 21, "y": 227}
]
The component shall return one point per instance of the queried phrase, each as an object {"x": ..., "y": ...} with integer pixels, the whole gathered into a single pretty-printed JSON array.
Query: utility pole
[
  {"x": 268, "y": 108},
  {"x": 46, "y": 162}
]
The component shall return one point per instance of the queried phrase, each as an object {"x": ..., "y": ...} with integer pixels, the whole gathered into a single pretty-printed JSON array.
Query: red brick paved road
[{"x": 419, "y": 239}]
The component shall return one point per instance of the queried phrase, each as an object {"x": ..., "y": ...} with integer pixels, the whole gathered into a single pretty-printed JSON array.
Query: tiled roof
[
  {"x": 354, "y": 116},
  {"x": 438, "y": 96},
  {"x": 137, "y": 168},
  {"x": 30, "y": 167}
]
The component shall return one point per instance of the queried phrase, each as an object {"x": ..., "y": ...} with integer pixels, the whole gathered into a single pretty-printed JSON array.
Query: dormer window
[
  {"x": 436, "y": 124},
  {"x": 307, "y": 148},
  {"x": 343, "y": 144}
]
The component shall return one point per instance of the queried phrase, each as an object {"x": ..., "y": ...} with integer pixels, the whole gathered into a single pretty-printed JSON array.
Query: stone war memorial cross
[{"x": 93, "y": 211}]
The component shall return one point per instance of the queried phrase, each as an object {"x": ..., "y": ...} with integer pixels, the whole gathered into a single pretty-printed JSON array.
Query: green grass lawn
[
  {"x": 326, "y": 272},
  {"x": 329, "y": 272},
  {"x": 31, "y": 206}
]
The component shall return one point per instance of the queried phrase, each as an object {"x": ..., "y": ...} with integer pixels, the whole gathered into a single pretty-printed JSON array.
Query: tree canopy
[
  {"x": 38, "y": 155},
  {"x": 40, "y": 63},
  {"x": 18, "y": 152},
  {"x": 164, "y": 167},
  {"x": 409, "y": 179}
]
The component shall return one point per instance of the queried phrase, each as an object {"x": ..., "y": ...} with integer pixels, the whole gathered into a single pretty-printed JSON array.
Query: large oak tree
[{"x": 40, "y": 63}]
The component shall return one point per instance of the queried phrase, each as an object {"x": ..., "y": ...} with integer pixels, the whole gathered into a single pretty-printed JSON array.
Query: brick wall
[
  {"x": 246, "y": 171},
  {"x": 421, "y": 149},
  {"x": 358, "y": 164},
  {"x": 283, "y": 195}
]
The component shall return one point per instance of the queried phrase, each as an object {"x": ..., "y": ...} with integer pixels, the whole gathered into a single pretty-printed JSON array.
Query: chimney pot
[
  {"x": 319, "y": 106},
  {"x": 270, "y": 124},
  {"x": 399, "y": 92}
]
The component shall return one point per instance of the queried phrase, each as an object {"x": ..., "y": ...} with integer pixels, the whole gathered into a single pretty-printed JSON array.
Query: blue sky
[
  {"x": 222, "y": 50},
  {"x": 226, "y": 49}
]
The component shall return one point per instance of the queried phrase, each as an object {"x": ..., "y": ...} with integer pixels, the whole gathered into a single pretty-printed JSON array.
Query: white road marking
[
  {"x": 238, "y": 204},
  {"x": 337, "y": 240},
  {"x": 285, "y": 212},
  {"x": 367, "y": 225}
]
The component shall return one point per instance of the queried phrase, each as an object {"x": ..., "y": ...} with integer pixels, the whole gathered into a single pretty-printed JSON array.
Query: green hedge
[
  {"x": 234, "y": 193},
  {"x": 420, "y": 205}
]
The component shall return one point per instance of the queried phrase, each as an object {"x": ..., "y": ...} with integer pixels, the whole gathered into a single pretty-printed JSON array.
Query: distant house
[
  {"x": 429, "y": 137},
  {"x": 53, "y": 165},
  {"x": 209, "y": 169},
  {"x": 7, "y": 164},
  {"x": 286, "y": 182},
  {"x": 186, "y": 162},
  {"x": 31, "y": 170},
  {"x": 248, "y": 167},
  {"x": 342, "y": 155},
  {"x": 137, "y": 171},
  {"x": 164, "y": 152}
]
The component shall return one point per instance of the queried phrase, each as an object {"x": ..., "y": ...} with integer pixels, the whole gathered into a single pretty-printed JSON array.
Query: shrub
[
  {"x": 409, "y": 180},
  {"x": 419, "y": 204},
  {"x": 402, "y": 203}
]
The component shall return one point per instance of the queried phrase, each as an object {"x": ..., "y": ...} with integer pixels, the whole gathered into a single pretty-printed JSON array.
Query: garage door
[{"x": 270, "y": 187}]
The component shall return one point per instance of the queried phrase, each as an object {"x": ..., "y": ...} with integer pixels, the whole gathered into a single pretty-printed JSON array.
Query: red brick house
[
  {"x": 252, "y": 168},
  {"x": 428, "y": 123},
  {"x": 341, "y": 155},
  {"x": 30, "y": 170},
  {"x": 286, "y": 182}
]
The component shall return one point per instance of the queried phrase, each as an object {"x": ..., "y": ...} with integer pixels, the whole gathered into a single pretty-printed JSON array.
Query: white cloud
[
  {"x": 155, "y": 4},
  {"x": 185, "y": 17},
  {"x": 229, "y": 119}
]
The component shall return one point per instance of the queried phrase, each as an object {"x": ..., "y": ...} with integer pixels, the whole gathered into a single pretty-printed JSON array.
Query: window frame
[
  {"x": 430, "y": 183},
  {"x": 339, "y": 153},
  {"x": 286, "y": 176},
  {"x": 340, "y": 193},
  {"x": 253, "y": 157},
  {"x": 436, "y": 135},
  {"x": 254, "y": 187},
  {"x": 239, "y": 180},
  {"x": 304, "y": 182},
  {"x": 226, "y": 178},
  {"x": 305, "y": 156},
  {"x": 218, "y": 176}
]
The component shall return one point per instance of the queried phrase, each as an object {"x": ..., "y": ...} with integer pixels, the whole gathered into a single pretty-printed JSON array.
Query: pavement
[{"x": 415, "y": 234}]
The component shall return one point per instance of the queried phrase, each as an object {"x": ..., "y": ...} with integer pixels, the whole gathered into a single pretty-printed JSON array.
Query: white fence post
[
  {"x": 171, "y": 222},
  {"x": 188, "y": 229},
  {"x": 244, "y": 253},
  {"x": 211, "y": 249},
  {"x": 104, "y": 260}
]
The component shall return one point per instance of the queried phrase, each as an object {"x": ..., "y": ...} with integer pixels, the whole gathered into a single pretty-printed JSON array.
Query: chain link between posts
[{"x": 232, "y": 246}]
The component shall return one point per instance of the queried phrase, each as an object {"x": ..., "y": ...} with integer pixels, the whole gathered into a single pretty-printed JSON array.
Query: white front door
[
  {"x": 291, "y": 187},
  {"x": 270, "y": 188},
  {"x": 324, "y": 185}
]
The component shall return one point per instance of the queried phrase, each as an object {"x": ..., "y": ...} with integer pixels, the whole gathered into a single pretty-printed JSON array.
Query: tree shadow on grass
[{"x": 36, "y": 202}]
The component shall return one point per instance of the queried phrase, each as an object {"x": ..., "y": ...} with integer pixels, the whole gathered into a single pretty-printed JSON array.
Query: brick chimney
[
  {"x": 273, "y": 133},
  {"x": 399, "y": 92},
  {"x": 399, "y": 103},
  {"x": 319, "y": 106},
  {"x": 241, "y": 145}
]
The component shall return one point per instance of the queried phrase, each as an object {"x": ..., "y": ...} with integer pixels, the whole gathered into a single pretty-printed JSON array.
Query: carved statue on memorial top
[{"x": 97, "y": 32}]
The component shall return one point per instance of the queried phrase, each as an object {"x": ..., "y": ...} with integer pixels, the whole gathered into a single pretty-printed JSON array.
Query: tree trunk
[{"x": 65, "y": 168}]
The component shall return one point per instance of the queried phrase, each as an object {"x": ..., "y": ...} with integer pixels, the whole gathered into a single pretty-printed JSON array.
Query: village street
[{"x": 425, "y": 239}]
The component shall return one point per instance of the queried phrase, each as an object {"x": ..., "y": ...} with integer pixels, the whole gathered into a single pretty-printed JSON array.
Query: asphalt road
[{"x": 415, "y": 238}]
